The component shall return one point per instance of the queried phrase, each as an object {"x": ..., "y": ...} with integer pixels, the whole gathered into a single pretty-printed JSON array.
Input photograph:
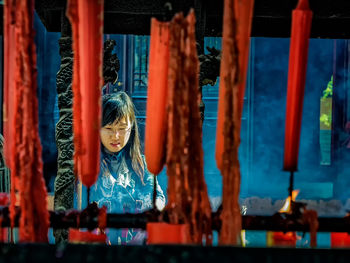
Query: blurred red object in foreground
[
  {"x": 163, "y": 233},
  {"x": 340, "y": 240},
  {"x": 280, "y": 239},
  {"x": 78, "y": 236},
  {"x": 4, "y": 200}
]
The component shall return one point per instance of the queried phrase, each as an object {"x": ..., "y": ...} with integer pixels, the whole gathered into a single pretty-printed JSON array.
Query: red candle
[
  {"x": 86, "y": 18},
  {"x": 163, "y": 233},
  {"x": 77, "y": 236},
  {"x": 156, "y": 121},
  {"x": 244, "y": 12},
  {"x": 301, "y": 25},
  {"x": 281, "y": 239},
  {"x": 340, "y": 240}
]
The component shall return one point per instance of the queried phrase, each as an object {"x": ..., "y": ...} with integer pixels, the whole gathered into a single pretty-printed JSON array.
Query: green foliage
[
  {"x": 328, "y": 92},
  {"x": 326, "y": 118}
]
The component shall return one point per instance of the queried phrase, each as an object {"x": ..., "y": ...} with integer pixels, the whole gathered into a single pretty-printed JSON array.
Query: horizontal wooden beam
[
  {"x": 272, "y": 18},
  {"x": 72, "y": 253},
  {"x": 88, "y": 218}
]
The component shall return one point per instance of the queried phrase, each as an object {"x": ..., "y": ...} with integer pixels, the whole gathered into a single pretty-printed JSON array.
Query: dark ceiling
[{"x": 272, "y": 18}]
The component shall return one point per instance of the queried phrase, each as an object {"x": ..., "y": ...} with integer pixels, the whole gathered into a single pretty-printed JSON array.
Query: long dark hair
[{"x": 115, "y": 107}]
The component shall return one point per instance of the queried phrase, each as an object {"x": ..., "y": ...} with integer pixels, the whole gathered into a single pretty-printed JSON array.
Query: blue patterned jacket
[{"x": 120, "y": 189}]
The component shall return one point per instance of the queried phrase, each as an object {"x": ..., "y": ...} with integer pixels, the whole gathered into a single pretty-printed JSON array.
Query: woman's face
[{"x": 115, "y": 136}]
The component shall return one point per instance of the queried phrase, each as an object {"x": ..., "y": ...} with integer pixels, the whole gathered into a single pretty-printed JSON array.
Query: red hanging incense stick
[
  {"x": 86, "y": 17},
  {"x": 299, "y": 42},
  {"x": 156, "y": 121}
]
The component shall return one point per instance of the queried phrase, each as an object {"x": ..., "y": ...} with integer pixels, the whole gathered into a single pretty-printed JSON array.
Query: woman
[{"x": 124, "y": 184}]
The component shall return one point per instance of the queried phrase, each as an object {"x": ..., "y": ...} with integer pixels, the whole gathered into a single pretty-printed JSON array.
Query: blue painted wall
[{"x": 270, "y": 63}]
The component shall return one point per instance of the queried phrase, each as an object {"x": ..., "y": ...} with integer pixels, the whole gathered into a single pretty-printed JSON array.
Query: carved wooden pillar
[{"x": 65, "y": 180}]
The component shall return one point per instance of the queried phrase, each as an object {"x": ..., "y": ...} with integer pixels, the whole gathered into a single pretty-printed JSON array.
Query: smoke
[{"x": 262, "y": 146}]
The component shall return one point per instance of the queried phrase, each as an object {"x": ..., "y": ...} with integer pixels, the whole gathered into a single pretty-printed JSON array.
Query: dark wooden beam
[
  {"x": 72, "y": 253},
  {"x": 272, "y": 18}
]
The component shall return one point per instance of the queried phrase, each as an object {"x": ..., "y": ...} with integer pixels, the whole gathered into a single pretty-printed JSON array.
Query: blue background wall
[{"x": 48, "y": 63}]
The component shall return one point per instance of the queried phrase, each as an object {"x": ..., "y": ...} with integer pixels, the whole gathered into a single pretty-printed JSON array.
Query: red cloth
[
  {"x": 23, "y": 151},
  {"x": 86, "y": 17},
  {"x": 299, "y": 43}
]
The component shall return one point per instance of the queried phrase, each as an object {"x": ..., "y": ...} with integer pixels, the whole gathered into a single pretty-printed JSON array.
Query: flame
[{"x": 287, "y": 207}]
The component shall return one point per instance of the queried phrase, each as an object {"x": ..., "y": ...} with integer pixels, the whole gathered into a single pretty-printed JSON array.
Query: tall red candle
[
  {"x": 86, "y": 17},
  {"x": 301, "y": 25},
  {"x": 156, "y": 121}
]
